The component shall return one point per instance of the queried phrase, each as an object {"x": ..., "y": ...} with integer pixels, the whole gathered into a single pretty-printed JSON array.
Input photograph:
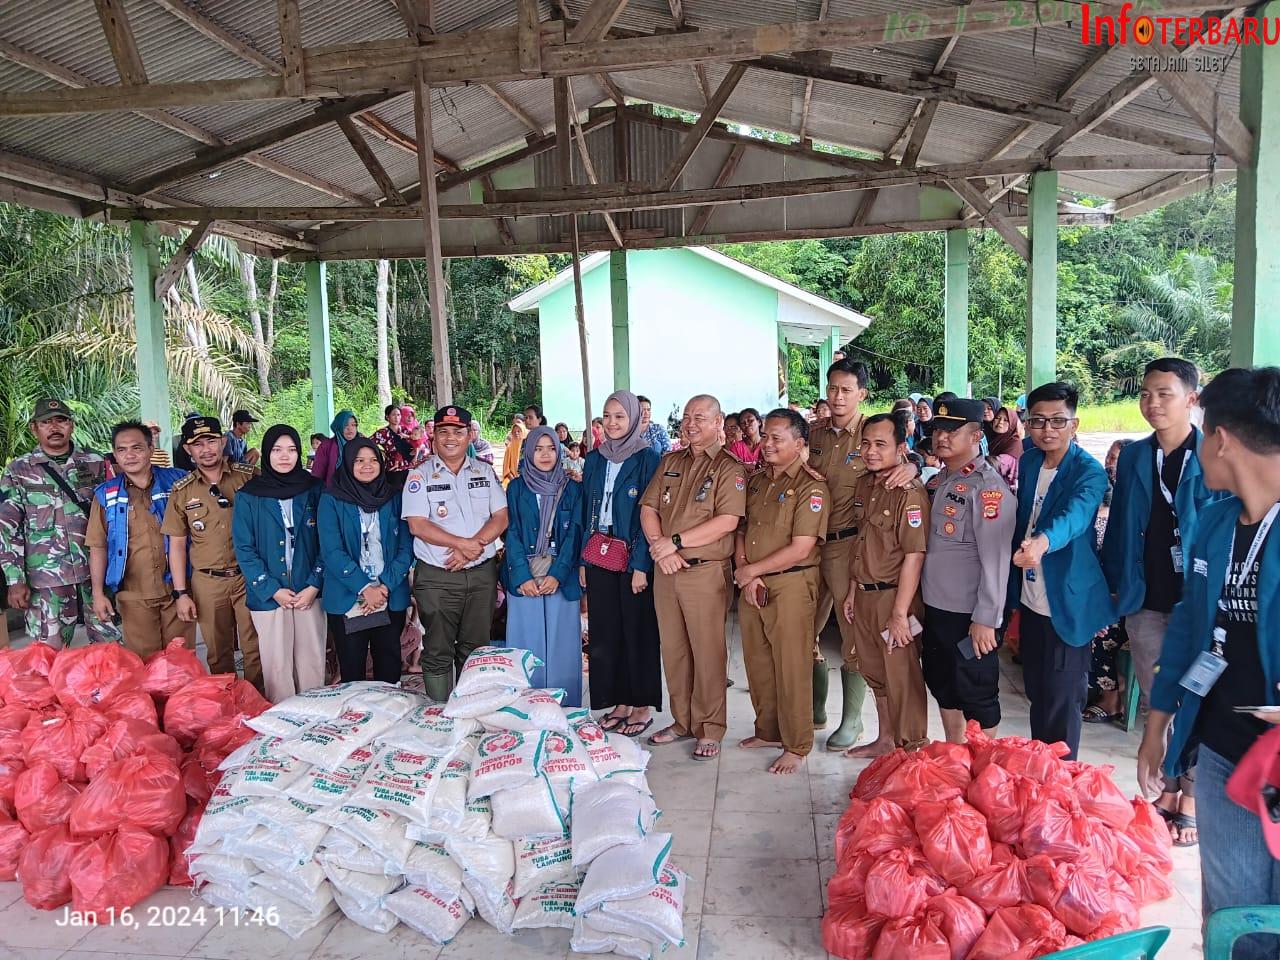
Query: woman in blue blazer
[
  {"x": 367, "y": 551},
  {"x": 539, "y": 566},
  {"x": 626, "y": 665},
  {"x": 277, "y": 546}
]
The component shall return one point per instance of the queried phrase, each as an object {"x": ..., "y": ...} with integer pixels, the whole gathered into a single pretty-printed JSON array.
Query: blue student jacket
[
  {"x": 633, "y": 478},
  {"x": 257, "y": 531},
  {"x": 1190, "y": 630},
  {"x": 1073, "y": 580},
  {"x": 522, "y": 538},
  {"x": 1124, "y": 544},
  {"x": 340, "y": 554}
]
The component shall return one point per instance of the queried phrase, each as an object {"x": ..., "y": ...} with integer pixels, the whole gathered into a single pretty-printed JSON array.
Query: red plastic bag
[
  {"x": 1151, "y": 834},
  {"x": 1085, "y": 898},
  {"x": 871, "y": 781},
  {"x": 171, "y": 669},
  {"x": 200, "y": 704},
  {"x": 849, "y": 932},
  {"x": 1100, "y": 798},
  {"x": 960, "y": 920},
  {"x": 13, "y": 840},
  {"x": 218, "y": 741},
  {"x": 144, "y": 790},
  {"x": 954, "y": 838},
  {"x": 133, "y": 705},
  {"x": 1124, "y": 903},
  {"x": 1044, "y": 880},
  {"x": 1042, "y": 762},
  {"x": 179, "y": 871},
  {"x": 43, "y": 799},
  {"x": 248, "y": 700},
  {"x": 994, "y": 792},
  {"x": 918, "y": 938},
  {"x": 198, "y": 783},
  {"x": 900, "y": 882},
  {"x": 850, "y": 880},
  {"x": 44, "y": 864},
  {"x": 951, "y": 753},
  {"x": 117, "y": 870},
  {"x": 1149, "y": 884},
  {"x": 1000, "y": 885},
  {"x": 1055, "y": 825},
  {"x": 60, "y": 739},
  {"x": 847, "y": 827},
  {"x": 95, "y": 675},
  {"x": 10, "y": 770},
  {"x": 924, "y": 777},
  {"x": 24, "y": 676},
  {"x": 124, "y": 738},
  {"x": 884, "y": 827},
  {"x": 1019, "y": 933},
  {"x": 13, "y": 719}
]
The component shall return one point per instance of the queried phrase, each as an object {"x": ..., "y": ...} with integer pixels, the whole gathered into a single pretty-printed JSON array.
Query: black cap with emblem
[
  {"x": 951, "y": 414},
  {"x": 49, "y": 408},
  {"x": 193, "y": 428}
]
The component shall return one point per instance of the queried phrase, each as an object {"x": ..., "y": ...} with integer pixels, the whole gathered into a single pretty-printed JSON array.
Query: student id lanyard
[
  {"x": 1176, "y": 550},
  {"x": 1210, "y": 665}
]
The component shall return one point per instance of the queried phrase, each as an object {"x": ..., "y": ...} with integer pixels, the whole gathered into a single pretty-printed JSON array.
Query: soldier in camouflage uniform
[{"x": 42, "y": 528}]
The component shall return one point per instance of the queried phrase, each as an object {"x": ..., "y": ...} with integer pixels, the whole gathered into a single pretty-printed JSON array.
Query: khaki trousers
[
  {"x": 777, "y": 647},
  {"x": 291, "y": 644},
  {"x": 895, "y": 677},
  {"x": 222, "y": 615},
  {"x": 692, "y": 608},
  {"x": 833, "y": 570},
  {"x": 149, "y": 624}
]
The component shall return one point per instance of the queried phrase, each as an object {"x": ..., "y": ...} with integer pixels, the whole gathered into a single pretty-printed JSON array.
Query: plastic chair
[
  {"x": 1228, "y": 925},
  {"x": 1124, "y": 666},
  {"x": 1135, "y": 945}
]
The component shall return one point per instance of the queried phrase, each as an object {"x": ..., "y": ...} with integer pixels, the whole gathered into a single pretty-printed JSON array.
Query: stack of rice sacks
[{"x": 372, "y": 800}]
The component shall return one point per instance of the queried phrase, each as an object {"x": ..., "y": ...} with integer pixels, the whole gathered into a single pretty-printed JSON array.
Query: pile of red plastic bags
[
  {"x": 106, "y": 763},
  {"x": 989, "y": 850}
]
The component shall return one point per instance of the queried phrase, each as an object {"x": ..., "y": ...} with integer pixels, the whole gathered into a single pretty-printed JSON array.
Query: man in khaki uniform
[
  {"x": 884, "y": 588},
  {"x": 689, "y": 514},
  {"x": 777, "y": 554},
  {"x": 200, "y": 508}
]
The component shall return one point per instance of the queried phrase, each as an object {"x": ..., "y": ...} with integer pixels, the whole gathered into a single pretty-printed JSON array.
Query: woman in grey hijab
[{"x": 626, "y": 666}]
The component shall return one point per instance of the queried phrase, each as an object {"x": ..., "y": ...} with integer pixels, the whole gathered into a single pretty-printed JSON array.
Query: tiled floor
[{"x": 758, "y": 850}]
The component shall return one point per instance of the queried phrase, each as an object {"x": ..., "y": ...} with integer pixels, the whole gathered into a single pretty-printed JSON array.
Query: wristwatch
[
  {"x": 675, "y": 540},
  {"x": 175, "y": 594}
]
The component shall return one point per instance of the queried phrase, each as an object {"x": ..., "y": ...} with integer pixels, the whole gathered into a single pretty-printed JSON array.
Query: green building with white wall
[{"x": 688, "y": 321}]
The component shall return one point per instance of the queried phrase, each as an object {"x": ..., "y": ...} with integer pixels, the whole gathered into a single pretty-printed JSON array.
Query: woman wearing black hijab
[
  {"x": 274, "y": 532},
  {"x": 367, "y": 551}
]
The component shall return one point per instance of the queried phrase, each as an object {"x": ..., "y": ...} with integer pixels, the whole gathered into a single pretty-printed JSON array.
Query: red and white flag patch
[
  {"x": 915, "y": 517},
  {"x": 815, "y": 502},
  {"x": 991, "y": 503}
]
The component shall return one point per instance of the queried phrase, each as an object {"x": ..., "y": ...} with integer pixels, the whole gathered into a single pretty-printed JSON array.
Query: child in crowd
[{"x": 574, "y": 462}]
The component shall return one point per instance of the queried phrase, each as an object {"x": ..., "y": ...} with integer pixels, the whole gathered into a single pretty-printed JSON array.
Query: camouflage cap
[
  {"x": 49, "y": 408},
  {"x": 196, "y": 427}
]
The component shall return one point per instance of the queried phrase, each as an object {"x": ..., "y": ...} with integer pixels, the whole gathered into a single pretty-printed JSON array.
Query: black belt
[
  {"x": 797, "y": 569},
  {"x": 842, "y": 535},
  {"x": 877, "y": 586},
  {"x": 233, "y": 572},
  {"x": 696, "y": 563}
]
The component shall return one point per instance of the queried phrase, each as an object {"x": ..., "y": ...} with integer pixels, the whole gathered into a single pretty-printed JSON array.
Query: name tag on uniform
[
  {"x": 955, "y": 498},
  {"x": 1176, "y": 553},
  {"x": 671, "y": 473},
  {"x": 437, "y": 487},
  {"x": 1204, "y": 672},
  {"x": 477, "y": 483}
]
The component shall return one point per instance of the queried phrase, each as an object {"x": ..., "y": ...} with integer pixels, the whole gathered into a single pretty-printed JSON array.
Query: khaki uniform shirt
[
  {"x": 194, "y": 512},
  {"x": 146, "y": 565},
  {"x": 691, "y": 488},
  {"x": 835, "y": 454},
  {"x": 459, "y": 503},
  {"x": 793, "y": 505},
  {"x": 891, "y": 524}
]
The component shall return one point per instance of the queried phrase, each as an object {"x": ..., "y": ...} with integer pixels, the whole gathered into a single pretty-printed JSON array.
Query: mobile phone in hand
[
  {"x": 965, "y": 646},
  {"x": 1264, "y": 709}
]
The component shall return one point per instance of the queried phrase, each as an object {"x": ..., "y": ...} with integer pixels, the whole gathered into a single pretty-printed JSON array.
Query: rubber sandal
[
  {"x": 611, "y": 723},
  {"x": 703, "y": 757},
  {"x": 653, "y": 740},
  {"x": 1184, "y": 822},
  {"x": 1096, "y": 714},
  {"x": 635, "y": 733}
]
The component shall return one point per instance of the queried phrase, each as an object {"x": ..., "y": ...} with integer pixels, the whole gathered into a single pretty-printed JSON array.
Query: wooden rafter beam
[
  {"x": 504, "y": 225},
  {"x": 973, "y": 196},
  {"x": 606, "y": 81},
  {"x": 915, "y": 142},
  {"x": 169, "y": 276},
  {"x": 512, "y": 107},
  {"x": 585, "y": 155},
  {"x": 1114, "y": 100},
  {"x": 289, "y": 20},
  {"x": 124, "y": 48},
  {"x": 1162, "y": 191},
  {"x": 806, "y": 97},
  {"x": 370, "y": 160},
  {"x": 1200, "y": 101},
  {"x": 219, "y": 35},
  {"x": 529, "y": 37},
  {"x": 418, "y": 17},
  {"x": 693, "y": 139},
  {"x": 394, "y": 136},
  {"x": 727, "y": 170},
  {"x": 595, "y": 23}
]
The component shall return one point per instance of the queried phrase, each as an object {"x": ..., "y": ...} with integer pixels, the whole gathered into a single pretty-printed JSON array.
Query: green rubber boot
[
  {"x": 854, "y": 692},
  {"x": 438, "y": 686},
  {"x": 820, "y": 686}
]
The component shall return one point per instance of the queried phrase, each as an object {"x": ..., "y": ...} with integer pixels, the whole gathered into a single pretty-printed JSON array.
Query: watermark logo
[{"x": 1143, "y": 29}]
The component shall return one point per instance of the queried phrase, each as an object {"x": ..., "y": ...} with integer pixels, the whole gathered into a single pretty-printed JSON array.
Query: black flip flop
[
  {"x": 1096, "y": 714},
  {"x": 1185, "y": 822},
  {"x": 611, "y": 723},
  {"x": 643, "y": 727}
]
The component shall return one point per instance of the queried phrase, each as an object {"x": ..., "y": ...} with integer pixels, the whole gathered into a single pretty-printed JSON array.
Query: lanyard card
[{"x": 1208, "y": 667}]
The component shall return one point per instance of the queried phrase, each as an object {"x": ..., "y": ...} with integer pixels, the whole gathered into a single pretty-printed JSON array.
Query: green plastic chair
[
  {"x": 1135, "y": 945},
  {"x": 1228, "y": 925}
]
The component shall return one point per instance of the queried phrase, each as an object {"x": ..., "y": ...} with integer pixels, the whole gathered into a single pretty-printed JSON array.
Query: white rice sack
[
  {"x": 326, "y": 788},
  {"x": 530, "y": 810},
  {"x": 477, "y": 820},
  {"x": 659, "y": 913},
  {"x": 279, "y": 725},
  {"x": 320, "y": 703},
  {"x": 608, "y": 814},
  {"x": 386, "y": 699},
  {"x": 426, "y": 729},
  {"x": 380, "y": 830},
  {"x": 449, "y": 803},
  {"x": 326, "y": 743},
  {"x": 234, "y": 872},
  {"x": 288, "y": 917},
  {"x": 402, "y": 782},
  {"x": 496, "y": 908},
  {"x": 474, "y": 705},
  {"x": 565, "y": 760},
  {"x": 625, "y": 871},
  {"x": 609, "y": 753},
  {"x": 489, "y": 863},
  {"x": 490, "y": 667},
  {"x": 504, "y": 760},
  {"x": 531, "y": 710},
  {"x": 632, "y": 778},
  {"x": 264, "y": 775},
  {"x": 614, "y": 925},
  {"x": 292, "y": 824},
  {"x": 224, "y": 816},
  {"x": 375, "y": 918},
  {"x": 586, "y": 939},
  {"x": 307, "y": 886},
  {"x": 241, "y": 754},
  {"x": 550, "y": 906},
  {"x": 348, "y": 852},
  {"x": 364, "y": 890},
  {"x": 220, "y": 895},
  {"x": 436, "y": 919},
  {"x": 431, "y": 867},
  {"x": 541, "y": 863}
]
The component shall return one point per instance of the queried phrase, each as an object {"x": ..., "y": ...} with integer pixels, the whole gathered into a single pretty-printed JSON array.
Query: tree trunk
[
  {"x": 255, "y": 320},
  {"x": 384, "y": 372},
  {"x": 271, "y": 305},
  {"x": 195, "y": 333},
  {"x": 393, "y": 329}
]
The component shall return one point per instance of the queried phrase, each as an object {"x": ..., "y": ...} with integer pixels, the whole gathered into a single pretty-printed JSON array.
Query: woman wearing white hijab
[{"x": 626, "y": 666}]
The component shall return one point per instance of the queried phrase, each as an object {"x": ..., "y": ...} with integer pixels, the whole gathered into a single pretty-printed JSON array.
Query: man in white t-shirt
[{"x": 456, "y": 509}]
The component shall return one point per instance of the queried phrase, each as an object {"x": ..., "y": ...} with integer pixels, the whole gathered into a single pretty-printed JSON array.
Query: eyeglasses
[
  {"x": 1039, "y": 423},
  {"x": 223, "y": 502}
]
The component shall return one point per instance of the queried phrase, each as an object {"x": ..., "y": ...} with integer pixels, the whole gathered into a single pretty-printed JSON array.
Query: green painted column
[
  {"x": 620, "y": 310},
  {"x": 1255, "y": 328},
  {"x": 1042, "y": 280},
  {"x": 826, "y": 356},
  {"x": 148, "y": 322},
  {"x": 321, "y": 354},
  {"x": 955, "y": 350}
]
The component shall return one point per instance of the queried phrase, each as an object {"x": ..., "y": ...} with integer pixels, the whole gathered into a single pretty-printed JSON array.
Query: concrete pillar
[
  {"x": 148, "y": 322},
  {"x": 826, "y": 356},
  {"x": 1042, "y": 280},
  {"x": 321, "y": 354},
  {"x": 620, "y": 309},
  {"x": 1255, "y": 330},
  {"x": 955, "y": 350}
]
